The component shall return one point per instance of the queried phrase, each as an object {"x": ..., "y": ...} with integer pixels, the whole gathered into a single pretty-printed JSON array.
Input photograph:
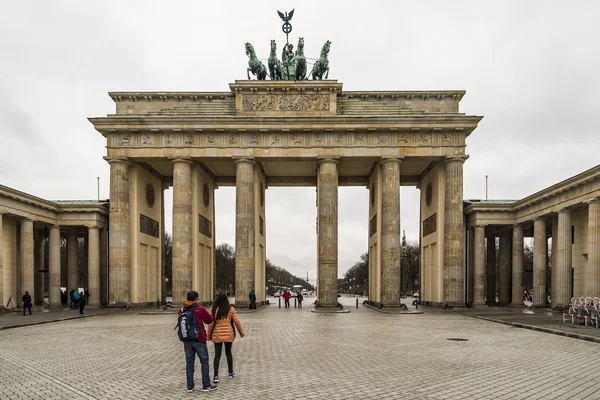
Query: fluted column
[
  {"x": 390, "y": 232},
  {"x": 454, "y": 270},
  {"x": 54, "y": 265},
  {"x": 561, "y": 272},
  {"x": 593, "y": 275},
  {"x": 540, "y": 245},
  {"x": 479, "y": 284},
  {"x": 119, "y": 233},
  {"x": 182, "y": 229},
  {"x": 39, "y": 266},
  {"x": 72, "y": 262},
  {"x": 245, "y": 265},
  {"x": 327, "y": 213},
  {"x": 517, "y": 265},
  {"x": 490, "y": 270},
  {"x": 27, "y": 264},
  {"x": 504, "y": 272},
  {"x": 94, "y": 265}
]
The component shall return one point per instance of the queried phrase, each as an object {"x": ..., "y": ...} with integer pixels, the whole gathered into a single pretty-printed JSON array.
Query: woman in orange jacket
[{"x": 222, "y": 330}]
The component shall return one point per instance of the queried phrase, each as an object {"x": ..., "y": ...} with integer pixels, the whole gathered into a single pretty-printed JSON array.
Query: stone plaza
[{"x": 293, "y": 353}]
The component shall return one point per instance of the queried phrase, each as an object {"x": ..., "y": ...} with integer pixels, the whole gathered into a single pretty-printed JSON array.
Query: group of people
[
  {"x": 287, "y": 295},
  {"x": 79, "y": 299},
  {"x": 222, "y": 323}
]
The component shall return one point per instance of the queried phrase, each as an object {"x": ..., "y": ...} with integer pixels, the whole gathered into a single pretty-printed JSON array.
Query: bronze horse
[
  {"x": 254, "y": 65},
  {"x": 274, "y": 63},
  {"x": 321, "y": 66},
  {"x": 300, "y": 61}
]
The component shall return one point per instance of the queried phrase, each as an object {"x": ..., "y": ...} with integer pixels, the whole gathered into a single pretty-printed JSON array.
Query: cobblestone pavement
[{"x": 293, "y": 353}]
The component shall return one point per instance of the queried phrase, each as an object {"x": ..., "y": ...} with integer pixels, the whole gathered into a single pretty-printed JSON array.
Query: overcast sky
[{"x": 529, "y": 67}]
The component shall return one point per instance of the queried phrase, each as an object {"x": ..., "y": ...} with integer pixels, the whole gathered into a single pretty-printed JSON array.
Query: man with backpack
[{"x": 190, "y": 328}]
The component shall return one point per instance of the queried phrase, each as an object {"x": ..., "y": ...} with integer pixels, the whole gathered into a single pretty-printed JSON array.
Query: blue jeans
[{"x": 191, "y": 349}]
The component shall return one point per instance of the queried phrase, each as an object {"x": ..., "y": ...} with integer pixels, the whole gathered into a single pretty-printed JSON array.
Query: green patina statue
[
  {"x": 293, "y": 65},
  {"x": 322, "y": 65},
  {"x": 254, "y": 65}
]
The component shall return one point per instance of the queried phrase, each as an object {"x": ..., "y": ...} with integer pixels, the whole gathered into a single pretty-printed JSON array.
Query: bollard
[
  {"x": 280, "y": 302},
  {"x": 295, "y": 305},
  {"x": 357, "y": 302}
]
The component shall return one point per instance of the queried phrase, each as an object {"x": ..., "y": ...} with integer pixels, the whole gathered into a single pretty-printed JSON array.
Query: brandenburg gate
[{"x": 265, "y": 133}]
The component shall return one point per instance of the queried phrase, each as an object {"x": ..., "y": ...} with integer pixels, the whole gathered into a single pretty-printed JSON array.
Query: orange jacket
[{"x": 221, "y": 331}]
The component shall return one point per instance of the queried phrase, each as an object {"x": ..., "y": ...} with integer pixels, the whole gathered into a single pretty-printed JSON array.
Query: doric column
[
  {"x": 182, "y": 229},
  {"x": 561, "y": 272},
  {"x": 593, "y": 276},
  {"x": 27, "y": 264},
  {"x": 454, "y": 270},
  {"x": 327, "y": 214},
  {"x": 72, "y": 262},
  {"x": 54, "y": 265},
  {"x": 390, "y": 232},
  {"x": 479, "y": 284},
  {"x": 39, "y": 276},
  {"x": 539, "y": 262},
  {"x": 2, "y": 302},
  {"x": 245, "y": 267},
  {"x": 517, "y": 265},
  {"x": 94, "y": 265},
  {"x": 490, "y": 270},
  {"x": 504, "y": 273},
  {"x": 119, "y": 232},
  {"x": 102, "y": 296}
]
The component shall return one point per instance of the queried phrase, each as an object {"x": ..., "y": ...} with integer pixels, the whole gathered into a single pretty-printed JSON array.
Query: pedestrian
[
  {"x": 286, "y": 297},
  {"x": 82, "y": 302},
  {"x": 300, "y": 298},
  {"x": 26, "y": 299},
  {"x": 198, "y": 346},
  {"x": 71, "y": 293},
  {"x": 252, "y": 297},
  {"x": 76, "y": 299},
  {"x": 222, "y": 331},
  {"x": 87, "y": 295},
  {"x": 525, "y": 295}
]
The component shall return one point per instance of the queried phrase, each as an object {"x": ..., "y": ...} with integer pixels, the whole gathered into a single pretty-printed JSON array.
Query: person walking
[
  {"x": 286, "y": 297},
  {"x": 26, "y": 299},
  {"x": 300, "y": 299},
  {"x": 222, "y": 331},
  {"x": 197, "y": 347},
  {"x": 71, "y": 294},
  {"x": 252, "y": 297},
  {"x": 82, "y": 302}
]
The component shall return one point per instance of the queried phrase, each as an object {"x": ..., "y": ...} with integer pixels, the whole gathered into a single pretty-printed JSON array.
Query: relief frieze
[
  {"x": 430, "y": 225},
  {"x": 149, "y": 226},
  {"x": 285, "y": 102}
]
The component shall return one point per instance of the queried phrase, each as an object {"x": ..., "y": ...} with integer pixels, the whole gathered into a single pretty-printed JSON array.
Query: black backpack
[{"x": 187, "y": 325}]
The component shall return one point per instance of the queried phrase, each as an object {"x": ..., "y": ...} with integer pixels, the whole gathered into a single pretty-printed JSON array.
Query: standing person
[
  {"x": 26, "y": 299},
  {"x": 198, "y": 346},
  {"x": 71, "y": 294},
  {"x": 82, "y": 302},
  {"x": 300, "y": 298},
  {"x": 252, "y": 297},
  {"x": 87, "y": 295},
  {"x": 76, "y": 298},
  {"x": 222, "y": 330},
  {"x": 286, "y": 297}
]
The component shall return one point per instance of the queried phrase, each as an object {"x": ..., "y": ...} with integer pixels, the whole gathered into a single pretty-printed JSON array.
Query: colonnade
[
  {"x": 24, "y": 264},
  {"x": 510, "y": 263}
]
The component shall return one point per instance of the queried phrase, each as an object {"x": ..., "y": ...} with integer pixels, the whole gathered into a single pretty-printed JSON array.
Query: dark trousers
[
  {"x": 81, "y": 305},
  {"x": 218, "y": 350},
  {"x": 299, "y": 303},
  {"x": 27, "y": 307},
  {"x": 252, "y": 305},
  {"x": 192, "y": 349}
]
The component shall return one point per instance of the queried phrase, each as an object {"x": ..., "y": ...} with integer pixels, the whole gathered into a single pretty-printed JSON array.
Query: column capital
[
  {"x": 461, "y": 159},
  {"x": 115, "y": 160},
  {"x": 564, "y": 211},
  {"x": 593, "y": 201},
  {"x": 517, "y": 226},
  {"x": 335, "y": 160},
  {"x": 248, "y": 160},
  {"x": 176, "y": 160},
  {"x": 385, "y": 160},
  {"x": 539, "y": 219}
]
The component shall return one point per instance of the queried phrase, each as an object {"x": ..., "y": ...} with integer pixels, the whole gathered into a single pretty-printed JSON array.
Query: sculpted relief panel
[
  {"x": 285, "y": 102},
  {"x": 283, "y": 139}
]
